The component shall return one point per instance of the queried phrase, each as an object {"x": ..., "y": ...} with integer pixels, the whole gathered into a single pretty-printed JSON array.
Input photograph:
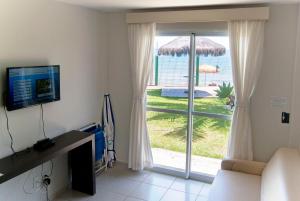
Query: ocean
[{"x": 173, "y": 70}]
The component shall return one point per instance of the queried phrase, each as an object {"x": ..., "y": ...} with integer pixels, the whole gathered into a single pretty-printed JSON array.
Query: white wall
[
  {"x": 41, "y": 32},
  {"x": 119, "y": 81},
  {"x": 295, "y": 105},
  {"x": 275, "y": 80}
]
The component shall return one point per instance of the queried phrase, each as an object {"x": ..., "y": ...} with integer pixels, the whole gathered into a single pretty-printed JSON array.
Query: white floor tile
[
  {"x": 120, "y": 174},
  {"x": 173, "y": 195},
  {"x": 202, "y": 198},
  {"x": 103, "y": 195},
  {"x": 149, "y": 192},
  {"x": 188, "y": 186},
  {"x": 205, "y": 190},
  {"x": 124, "y": 186},
  {"x": 160, "y": 180},
  {"x": 139, "y": 176},
  {"x": 74, "y": 196},
  {"x": 121, "y": 184},
  {"x": 132, "y": 199},
  {"x": 132, "y": 175}
]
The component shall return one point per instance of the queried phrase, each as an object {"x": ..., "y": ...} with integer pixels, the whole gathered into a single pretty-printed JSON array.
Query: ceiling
[{"x": 117, "y": 5}]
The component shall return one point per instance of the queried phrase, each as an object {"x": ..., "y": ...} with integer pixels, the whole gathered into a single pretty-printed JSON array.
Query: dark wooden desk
[{"x": 81, "y": 149}]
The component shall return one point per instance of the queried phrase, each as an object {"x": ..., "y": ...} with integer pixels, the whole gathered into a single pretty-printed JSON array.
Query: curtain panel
[
  {"x": 141, "y": 44},
  {"x": 246, "y": 45}
]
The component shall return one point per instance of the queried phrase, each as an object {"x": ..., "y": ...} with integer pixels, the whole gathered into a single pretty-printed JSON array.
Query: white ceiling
[{"x": 115, "y": 5}]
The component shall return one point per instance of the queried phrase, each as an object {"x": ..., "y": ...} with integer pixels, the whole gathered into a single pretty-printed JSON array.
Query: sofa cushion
[
  {"x": 281, "y": 177},
  {"x": 235, "y": 186},
  {"x": 244, "y": 166}
]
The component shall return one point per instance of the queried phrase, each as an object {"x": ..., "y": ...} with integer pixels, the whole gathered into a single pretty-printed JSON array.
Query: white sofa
[{"x": 277, "y": 180}]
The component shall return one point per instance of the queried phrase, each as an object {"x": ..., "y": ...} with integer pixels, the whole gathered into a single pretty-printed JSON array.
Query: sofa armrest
[{"x": 248, "y": 167}]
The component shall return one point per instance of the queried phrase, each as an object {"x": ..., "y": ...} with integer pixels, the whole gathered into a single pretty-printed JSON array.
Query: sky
[{"x": 162, "y": 40}]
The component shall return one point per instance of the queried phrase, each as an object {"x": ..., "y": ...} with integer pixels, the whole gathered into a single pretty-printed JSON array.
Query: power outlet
[{"x": 46, "y": 180}]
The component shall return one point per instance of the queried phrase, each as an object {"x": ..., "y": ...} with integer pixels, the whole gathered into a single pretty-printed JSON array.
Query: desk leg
[{"x": 83, "y": 168}]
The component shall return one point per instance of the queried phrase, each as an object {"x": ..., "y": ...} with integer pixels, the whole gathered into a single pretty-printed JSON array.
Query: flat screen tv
[{"x": 32, "y": 85}]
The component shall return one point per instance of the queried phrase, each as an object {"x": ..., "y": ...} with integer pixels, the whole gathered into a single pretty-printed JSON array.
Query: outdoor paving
[
  {"x": 182, "y": 92},
  {"x": 174, "y": 159}
]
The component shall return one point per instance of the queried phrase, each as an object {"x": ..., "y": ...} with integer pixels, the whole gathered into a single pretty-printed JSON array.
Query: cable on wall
[
  {"x": 47, "y": 194},
  {"x": 51, "y": 169},
  {"x": 46, "y": 179},
  {"x": 25, "y": 181},
  {"x": 8, "y": 131},
  {"x": 43, "y": 122}
]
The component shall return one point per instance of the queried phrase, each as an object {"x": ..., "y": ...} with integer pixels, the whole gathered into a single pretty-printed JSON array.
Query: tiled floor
[{"x": 121, "y": 184}]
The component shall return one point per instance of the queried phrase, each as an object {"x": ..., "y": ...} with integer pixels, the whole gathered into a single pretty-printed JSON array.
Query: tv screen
[{"x": 32, "y": 85}]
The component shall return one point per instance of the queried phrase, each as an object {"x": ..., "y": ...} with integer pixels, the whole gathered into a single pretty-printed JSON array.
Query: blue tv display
[{"x": 32, "y": 85}]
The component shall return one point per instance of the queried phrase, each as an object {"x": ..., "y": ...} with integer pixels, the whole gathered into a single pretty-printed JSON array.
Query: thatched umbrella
[
  {"x": 208, "y": 69},
  {"x": 181, "y": 46}
]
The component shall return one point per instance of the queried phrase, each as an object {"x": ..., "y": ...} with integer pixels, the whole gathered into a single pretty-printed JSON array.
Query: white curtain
[
  {"x": 246, "y": 46},
  {"x": 141, "y": 44}
]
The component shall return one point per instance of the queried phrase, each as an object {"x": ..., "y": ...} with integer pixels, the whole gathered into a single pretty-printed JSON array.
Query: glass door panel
[
  {"x": 167, "y": 133},
  {"x": 213, "y": 104},
  {"x": 212, "y": 70},
  {"x": 167, "y": 101},
  {"x": 168, "y": 86},
  {"x": 209, "y": 144}
]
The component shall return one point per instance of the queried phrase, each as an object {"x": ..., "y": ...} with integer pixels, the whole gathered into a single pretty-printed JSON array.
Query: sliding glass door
[
  {"x": 190, "y": 101},
  {"x": 213, "y": 104},
  {"x": 167, "y": 102}
]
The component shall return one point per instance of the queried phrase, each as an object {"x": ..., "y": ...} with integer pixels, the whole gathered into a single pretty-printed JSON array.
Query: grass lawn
[{"x": 168, "y": 131}]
